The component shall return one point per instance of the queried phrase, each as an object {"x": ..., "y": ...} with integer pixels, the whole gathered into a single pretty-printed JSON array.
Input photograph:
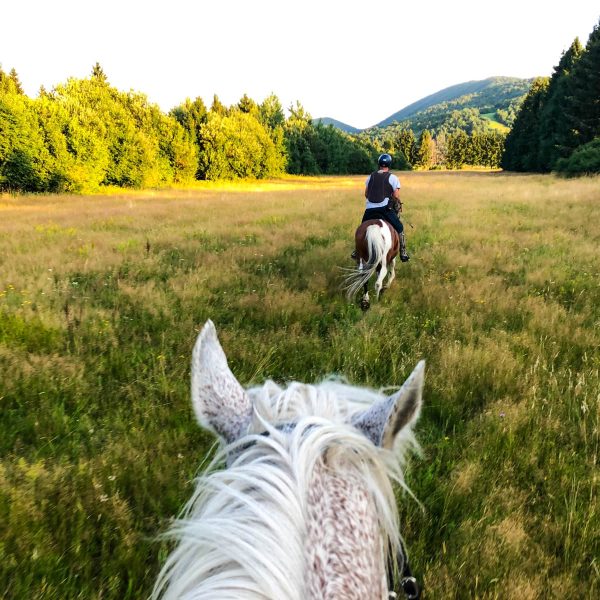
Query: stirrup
[
  {"x": 354, "y": 255},
  {"x": 404, "y": 257}
]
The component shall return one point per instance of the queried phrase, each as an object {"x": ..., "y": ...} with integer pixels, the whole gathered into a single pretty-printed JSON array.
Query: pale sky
[{"x": 352, "y": 60}]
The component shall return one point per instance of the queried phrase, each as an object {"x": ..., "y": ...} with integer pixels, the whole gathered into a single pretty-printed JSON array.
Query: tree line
[
  {"x": 85, "y": 134},
  {"x": 558, "y": 125},
  {"x": 443, "y": 150}
]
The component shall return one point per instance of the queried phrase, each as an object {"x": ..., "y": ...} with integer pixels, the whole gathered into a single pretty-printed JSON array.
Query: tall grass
[{"x": 101, "y": 299}]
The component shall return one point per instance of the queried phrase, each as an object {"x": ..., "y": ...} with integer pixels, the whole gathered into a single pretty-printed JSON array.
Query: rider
[{"x": 382, "y": 188}]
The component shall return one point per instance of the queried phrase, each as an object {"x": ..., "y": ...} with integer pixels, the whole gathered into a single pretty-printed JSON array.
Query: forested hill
[
  {"x": 343, "y": 126},
  {"x": 471, "y": 106},
  {"x": 492, "y": 94}
]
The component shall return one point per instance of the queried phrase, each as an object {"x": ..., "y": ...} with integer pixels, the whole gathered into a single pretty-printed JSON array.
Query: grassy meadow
[{"x": 101, "y": 298}]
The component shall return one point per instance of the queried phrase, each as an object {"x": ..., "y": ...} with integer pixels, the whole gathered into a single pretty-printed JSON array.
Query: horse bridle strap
[{"x": 407, "y": 582}]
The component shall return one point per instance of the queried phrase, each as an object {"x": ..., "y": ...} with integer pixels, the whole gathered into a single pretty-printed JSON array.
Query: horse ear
[
  {"x": 385, "y": 419},
  {"x": 221, "y": 404}
]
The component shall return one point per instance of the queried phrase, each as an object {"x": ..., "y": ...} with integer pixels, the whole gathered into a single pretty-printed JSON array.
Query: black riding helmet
[{"x": 385, "y": 160}]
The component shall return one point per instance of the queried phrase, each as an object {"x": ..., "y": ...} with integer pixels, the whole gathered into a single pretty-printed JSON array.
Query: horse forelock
[{"x": 305, "y": 509}]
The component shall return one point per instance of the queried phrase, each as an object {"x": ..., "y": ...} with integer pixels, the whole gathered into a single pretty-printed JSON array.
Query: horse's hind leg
[
  {"x": 380, "y": 278},
  {"x": 392, "y": 274},
  {"x": 365, "y": 302}
]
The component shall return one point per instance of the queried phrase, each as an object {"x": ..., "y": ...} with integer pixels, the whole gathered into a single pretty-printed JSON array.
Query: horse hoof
[{"x": 365, "y": 304}]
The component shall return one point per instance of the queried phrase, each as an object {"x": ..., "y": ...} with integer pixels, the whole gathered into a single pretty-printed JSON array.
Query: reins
[{"x": 400, "y": 577}]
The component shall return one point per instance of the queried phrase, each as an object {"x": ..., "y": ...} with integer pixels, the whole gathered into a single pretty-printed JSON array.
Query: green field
[
  {"x": 493, "y": 123},
  {"x": 101, "y": 298}
]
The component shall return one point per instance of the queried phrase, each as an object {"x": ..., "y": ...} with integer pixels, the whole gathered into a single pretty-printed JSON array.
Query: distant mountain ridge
[
  {"x": 495, "y": 98},
  {"x": 343, "y": 126}
]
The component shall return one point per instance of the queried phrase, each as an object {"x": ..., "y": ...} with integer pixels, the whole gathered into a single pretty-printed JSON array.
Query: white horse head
[{"x": 305, "y": 508}]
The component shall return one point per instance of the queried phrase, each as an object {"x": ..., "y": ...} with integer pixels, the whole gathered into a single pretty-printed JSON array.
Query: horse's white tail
[{"x": 376, "y": 244}]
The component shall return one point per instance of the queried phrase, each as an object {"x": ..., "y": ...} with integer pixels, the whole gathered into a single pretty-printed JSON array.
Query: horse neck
[
  {"x": 305, "y": 511},
  {"x": 344, "y": 548},
  {"x": 343, "y": 481}
]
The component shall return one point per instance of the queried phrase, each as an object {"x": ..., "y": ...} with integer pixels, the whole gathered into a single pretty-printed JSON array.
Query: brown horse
[{"x": 377, "y": 246}]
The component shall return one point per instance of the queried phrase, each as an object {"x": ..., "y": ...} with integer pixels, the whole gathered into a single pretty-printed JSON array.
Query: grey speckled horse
[{"x": 305, "y": 507}]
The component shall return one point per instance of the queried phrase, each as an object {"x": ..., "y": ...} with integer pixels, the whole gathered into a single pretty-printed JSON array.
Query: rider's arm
[{"x": 396, "y": 195}]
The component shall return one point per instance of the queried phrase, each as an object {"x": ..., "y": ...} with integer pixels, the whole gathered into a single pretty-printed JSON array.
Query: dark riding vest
[{"x": 379, "y": 187}]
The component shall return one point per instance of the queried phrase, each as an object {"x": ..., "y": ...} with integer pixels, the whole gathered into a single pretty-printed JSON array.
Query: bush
[{"x": 585, "y": 160}]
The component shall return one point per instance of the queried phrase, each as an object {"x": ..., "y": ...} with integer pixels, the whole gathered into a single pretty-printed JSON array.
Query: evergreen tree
[
  {"x": 191, "y": 115},
  {"x": 583, "y": 105},
  {"x": 98, "y": 73},
  {"x": 493, "y": 148},
  {"x": 326, "y": 146},
  {"x": 300, "y": 159},
  {"x": 406, "y": 142},
  {"x": 458, "y": 147},
  {"x": 271, "y": 112},
  {"x": 247, "y": 105},
  {"x": 425, "y": 150},
  {"x": 218, "y": 107},
  {"x": 559, "y": 116},
  {"x": 17, "y": 84},
  {"x": 9, "y": 84},
  {"x": 476, "y": 149},
  {"x": 522, "y": 143},
  {"x": 555, "y": 131},
  {"x": 399, "y": 161},
  {"x": 299, "y": 118},
  {"x": 298, "y": 133},
  {"x": 361, "y": 158}
]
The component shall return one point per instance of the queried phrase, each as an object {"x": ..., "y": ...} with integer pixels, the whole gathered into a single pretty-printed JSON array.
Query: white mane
[{"x": 243, "y": 532}]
